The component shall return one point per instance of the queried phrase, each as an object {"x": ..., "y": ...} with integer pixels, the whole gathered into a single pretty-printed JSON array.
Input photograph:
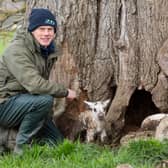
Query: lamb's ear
[
  {"x": 90, "y": 104},
  {"x": 106, "y": 102}
]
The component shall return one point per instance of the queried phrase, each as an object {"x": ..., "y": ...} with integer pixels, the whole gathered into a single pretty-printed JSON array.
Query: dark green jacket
[{"x": 24, "y": 70}]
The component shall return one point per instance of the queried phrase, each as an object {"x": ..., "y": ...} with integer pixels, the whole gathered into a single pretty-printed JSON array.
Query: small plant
[{"x": 64, "y": 149}]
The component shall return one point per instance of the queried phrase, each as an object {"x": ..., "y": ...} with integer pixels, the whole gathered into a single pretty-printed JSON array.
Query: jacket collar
[{"x": 31, "y": 43}]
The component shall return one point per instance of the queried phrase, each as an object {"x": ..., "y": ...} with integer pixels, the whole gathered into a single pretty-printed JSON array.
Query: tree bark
[{"x": 110, "y": 50}]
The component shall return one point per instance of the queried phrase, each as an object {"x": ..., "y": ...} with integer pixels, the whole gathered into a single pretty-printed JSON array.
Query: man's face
[{"x": 44, "y": 35}]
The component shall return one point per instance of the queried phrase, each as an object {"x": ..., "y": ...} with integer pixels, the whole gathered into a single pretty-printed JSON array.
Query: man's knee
[{"x": 44, "y": 102}]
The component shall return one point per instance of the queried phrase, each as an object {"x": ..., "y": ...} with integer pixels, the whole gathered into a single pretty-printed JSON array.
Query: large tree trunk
[{"x": 110, "y": 51}]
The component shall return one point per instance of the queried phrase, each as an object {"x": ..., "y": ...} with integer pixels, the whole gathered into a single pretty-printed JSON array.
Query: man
[{"x": 26, "y": 94}]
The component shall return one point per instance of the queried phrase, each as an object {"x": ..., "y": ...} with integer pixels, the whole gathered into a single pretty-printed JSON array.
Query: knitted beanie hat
[{"x": 41, "y": 17}]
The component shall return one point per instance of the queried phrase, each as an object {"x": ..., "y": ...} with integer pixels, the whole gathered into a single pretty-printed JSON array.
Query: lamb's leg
[
  {"x": 103, "y": 136},
  {"x": 90, "y": 135}
]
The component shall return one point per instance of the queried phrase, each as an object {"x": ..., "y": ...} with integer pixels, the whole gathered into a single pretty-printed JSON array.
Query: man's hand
[{"x": 71, "y": 94}]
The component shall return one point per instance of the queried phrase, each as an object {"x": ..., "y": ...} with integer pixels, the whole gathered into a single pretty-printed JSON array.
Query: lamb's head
[{"x": 98, "y": 108}]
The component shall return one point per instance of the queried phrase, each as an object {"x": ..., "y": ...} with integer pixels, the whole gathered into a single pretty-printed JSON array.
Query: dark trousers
[{"x": 30, "y": 113}]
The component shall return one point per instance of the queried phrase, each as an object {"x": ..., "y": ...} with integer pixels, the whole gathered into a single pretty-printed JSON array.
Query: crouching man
[{"x": 26, "y": 94}]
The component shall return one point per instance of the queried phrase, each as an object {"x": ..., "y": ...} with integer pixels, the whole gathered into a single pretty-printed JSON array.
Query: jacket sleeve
[{"x": 24, "y": 70}]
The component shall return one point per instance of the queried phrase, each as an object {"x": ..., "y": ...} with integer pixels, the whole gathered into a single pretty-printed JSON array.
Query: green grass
[
  {"x": 140, "y": 154},
  {"x": 5, "y": 38},
  {"x": 144, "y": 152}
]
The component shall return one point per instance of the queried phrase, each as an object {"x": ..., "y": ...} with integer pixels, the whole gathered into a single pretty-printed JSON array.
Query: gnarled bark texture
[{"x": 110, "y": 50}]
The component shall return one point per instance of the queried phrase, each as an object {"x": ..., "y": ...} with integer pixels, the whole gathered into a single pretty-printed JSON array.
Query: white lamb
[{"x": 93, "y": 120}]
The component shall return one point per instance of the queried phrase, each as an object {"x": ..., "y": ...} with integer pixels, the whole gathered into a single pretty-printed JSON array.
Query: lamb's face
[{"x": 98, "y": 109}]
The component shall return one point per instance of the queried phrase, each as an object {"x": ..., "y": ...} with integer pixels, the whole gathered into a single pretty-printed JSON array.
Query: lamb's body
[{"x": 93, "y": 126}]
